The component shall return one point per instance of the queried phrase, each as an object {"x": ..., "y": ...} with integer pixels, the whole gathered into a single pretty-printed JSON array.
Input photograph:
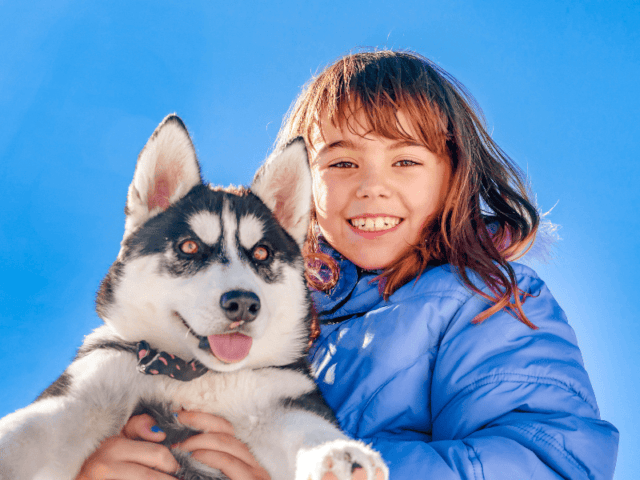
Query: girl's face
[{"x": 372, "y": 194}]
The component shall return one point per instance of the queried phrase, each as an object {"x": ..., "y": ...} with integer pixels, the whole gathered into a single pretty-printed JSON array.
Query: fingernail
[{"x": 156, "y": 429}]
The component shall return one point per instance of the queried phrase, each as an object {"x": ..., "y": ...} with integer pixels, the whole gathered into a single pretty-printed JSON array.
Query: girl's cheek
[{"x": 320, "y": 192}]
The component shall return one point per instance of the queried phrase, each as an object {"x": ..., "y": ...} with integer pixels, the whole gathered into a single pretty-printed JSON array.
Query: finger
[
  {"x": 139, "y": 427},
  {"x": 120, "y": 458},
  {"x": 122, "y": 471},
  {"x": 221, "y": 442},
  {"x": 230, "y": 465},
  {"x": 205, "y": 422},
  {"x": 152, "y": 455}
]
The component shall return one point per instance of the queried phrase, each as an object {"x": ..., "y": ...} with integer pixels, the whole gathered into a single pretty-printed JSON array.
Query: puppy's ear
[
  {"x": 283, "y": 183},
  {"x": 167, "y": 169}
]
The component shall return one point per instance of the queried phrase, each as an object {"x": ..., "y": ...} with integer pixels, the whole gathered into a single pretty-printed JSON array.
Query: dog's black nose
[{"x": 240, "y": 305}]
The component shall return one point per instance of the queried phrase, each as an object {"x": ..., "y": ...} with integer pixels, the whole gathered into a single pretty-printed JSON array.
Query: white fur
[
  {"x": 168, "y": 154},
  {"x": 230, "y": 229},
  {"x": 250, "y": 231},
  {"x": 51, "y": 438},
  {"x": 338, "y": 457},
  {"x": 274, "y": 184},
  {"x": 206, "y": 226}
]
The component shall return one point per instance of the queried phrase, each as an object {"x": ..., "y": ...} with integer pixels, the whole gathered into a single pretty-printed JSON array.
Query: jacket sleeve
[{"x": 507, "y": 402}]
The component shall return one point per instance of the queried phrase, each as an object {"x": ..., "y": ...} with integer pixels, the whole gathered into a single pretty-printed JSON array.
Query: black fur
[
  {"x": 61, "y": 386},
  {"x": 167, "y": 422},
  {"x": 104, "y": 297},
  {"x": 166, "y": 231},
  {"x": 313, "y": 402},
  {"x": 288, "y": 250},
  {"x": 121, "y": 346},
  {"x": 58, "y": 388}
]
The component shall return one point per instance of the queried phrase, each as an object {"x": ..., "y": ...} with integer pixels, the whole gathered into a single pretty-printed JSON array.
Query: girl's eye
[
  {"x": 260, "y": 253},
  {"x": 405, "y": 163},
  {"x": 189, "y": 247},
  {"x": 343, "y": 164}
]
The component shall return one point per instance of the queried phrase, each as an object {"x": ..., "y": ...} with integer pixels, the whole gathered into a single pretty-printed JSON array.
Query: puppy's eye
[
  {"x": 260, "y": 253},
  {"x": 189, "y": 247}
]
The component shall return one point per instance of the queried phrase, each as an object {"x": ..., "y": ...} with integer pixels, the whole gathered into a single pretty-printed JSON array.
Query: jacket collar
[{"x": 355, "y": 292}]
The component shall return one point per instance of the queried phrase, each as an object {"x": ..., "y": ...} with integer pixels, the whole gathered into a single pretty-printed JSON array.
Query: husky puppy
[{"x": 205, "y": 308}]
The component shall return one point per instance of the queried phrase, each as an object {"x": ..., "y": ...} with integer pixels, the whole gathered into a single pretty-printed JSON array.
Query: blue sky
[{"x": 83, "y": 85}]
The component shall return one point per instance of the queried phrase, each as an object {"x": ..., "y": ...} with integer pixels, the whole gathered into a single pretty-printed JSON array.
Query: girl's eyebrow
[
  {"x": 353, "y": 146},
  {"x": 405, "y": 143},
  {"x": 335, "y": 145}
]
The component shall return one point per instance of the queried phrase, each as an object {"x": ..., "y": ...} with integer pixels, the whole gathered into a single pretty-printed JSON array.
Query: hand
[
  {"x": 125, "y": 457},
  {"x": 218, "y": 447}
]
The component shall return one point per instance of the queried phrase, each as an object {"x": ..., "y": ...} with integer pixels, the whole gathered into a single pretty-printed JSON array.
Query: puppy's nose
[{"x": 240, "y": 305}]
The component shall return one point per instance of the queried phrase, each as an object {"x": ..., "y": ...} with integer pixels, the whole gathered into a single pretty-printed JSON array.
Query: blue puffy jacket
[{"x": 442, "y": 398}]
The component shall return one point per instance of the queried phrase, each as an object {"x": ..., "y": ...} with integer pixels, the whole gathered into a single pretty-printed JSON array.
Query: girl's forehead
[{"x": 328, "y": 130}]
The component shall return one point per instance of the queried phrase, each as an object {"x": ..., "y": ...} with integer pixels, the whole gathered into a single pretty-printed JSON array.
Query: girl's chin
[
  {"x": 368, "y": 254},
  {"x": 375, "y": 260}
]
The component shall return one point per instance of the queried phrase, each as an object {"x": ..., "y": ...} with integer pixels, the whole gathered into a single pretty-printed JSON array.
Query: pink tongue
[{"x": 230, "y": 347}]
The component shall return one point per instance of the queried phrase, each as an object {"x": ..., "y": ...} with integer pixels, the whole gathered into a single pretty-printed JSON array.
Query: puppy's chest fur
[
  {"x": 256, "y": 402},
  {"x": 239, "y": 395}
]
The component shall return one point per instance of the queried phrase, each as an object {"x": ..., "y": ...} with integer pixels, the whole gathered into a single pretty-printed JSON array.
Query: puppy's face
[{"x": 210, "y": 274}]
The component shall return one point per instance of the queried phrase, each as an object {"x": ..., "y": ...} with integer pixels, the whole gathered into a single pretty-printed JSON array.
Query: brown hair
[{"x": 486, "y": 219}]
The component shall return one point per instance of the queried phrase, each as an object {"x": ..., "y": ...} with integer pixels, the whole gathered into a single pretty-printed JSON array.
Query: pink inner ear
[
  {"x": 165, "y": 183},
  {"x": 282, "y": 213},
  {"x": 283, "y": 210},
  {"x": 159, "y": 197}
]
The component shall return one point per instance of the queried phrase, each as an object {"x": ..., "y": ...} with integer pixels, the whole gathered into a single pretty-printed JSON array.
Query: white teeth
[{"x": 374, "y": 224}]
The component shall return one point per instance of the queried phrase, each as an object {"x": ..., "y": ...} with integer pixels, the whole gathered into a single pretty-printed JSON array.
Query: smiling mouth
[{"x": 374, "y": 224}]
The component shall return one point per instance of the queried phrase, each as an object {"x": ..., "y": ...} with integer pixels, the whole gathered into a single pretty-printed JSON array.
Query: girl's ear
[
  {"x": 167, "y": 169},
  {"x": 283, "y": 183}
]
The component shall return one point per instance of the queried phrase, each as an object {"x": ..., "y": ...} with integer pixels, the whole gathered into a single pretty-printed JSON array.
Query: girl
[{"x": 451, "y": 361}]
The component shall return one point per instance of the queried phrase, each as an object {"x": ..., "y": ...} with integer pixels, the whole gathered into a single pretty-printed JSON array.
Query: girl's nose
[{"x": 373, "y": 184}]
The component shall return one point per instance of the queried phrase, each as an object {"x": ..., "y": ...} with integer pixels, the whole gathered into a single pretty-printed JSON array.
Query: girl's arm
[
  {"x": 517, "y": 402},
  {"x": 495, "y": 401},
  {"x": 509, "y": 402}
]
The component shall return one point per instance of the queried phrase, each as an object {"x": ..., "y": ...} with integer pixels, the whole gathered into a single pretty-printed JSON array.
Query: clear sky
[{"x": 83, "y": 85}]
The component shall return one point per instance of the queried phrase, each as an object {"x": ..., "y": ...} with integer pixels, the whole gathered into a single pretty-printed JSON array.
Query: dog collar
[{"x": 152, "y": 362}]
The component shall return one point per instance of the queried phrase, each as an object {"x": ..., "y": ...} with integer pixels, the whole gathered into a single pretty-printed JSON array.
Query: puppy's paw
[{"x": 339, "y": 457}]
